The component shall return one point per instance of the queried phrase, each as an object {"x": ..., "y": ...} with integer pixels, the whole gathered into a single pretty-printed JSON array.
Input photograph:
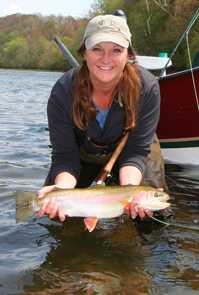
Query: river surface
[{"x": 121, "y": 256}]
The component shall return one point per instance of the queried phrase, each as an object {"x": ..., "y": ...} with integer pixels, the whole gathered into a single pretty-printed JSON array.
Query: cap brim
[{"x": 109, "y": 37}]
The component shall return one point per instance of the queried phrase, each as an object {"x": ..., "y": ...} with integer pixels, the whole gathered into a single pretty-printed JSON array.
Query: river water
[{"x": 121, "y": 256}]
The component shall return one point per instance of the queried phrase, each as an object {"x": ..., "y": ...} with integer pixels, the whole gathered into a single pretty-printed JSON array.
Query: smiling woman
[{"x": 98, "y": 102}]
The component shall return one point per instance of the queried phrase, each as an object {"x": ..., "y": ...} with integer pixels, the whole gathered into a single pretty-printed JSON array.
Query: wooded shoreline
[{"x": 27, "y": 41}]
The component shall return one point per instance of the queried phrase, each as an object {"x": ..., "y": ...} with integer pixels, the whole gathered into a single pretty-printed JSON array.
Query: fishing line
[
  {"x": 190, "y": 24},
  {"x": 176, "y": 224},
  {"x": 189, "y": 55},
  {"x": 165, "y": 223},
  {"x": 185, "y": 226},
  {"x": 194, "y": 220}
]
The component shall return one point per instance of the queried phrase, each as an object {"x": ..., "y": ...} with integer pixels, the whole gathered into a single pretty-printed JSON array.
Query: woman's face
[{"x": 106, "y": 62}]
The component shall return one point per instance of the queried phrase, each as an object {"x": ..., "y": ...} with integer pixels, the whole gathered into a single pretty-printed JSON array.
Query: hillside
[{"x": 27, "y": 41}]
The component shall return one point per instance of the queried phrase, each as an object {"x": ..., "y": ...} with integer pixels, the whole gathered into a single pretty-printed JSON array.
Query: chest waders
[
  {"x": 92, "y": 167},
  {"x": 154, "y": 174}
]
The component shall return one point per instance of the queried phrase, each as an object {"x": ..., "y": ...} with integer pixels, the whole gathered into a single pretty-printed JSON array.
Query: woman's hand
[
  {"x": 130, "y": 210},
  {"x": 52, "y": 208},
  {"x": 63, "y": 180},
  {"x": 132, "y": 175}
]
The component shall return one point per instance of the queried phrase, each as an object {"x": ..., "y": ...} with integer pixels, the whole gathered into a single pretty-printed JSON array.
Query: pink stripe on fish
[{"x": 94, "y": 199}]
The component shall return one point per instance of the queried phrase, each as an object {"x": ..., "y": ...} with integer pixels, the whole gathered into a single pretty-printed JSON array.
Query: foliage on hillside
[{"x": 27, "y": 41}]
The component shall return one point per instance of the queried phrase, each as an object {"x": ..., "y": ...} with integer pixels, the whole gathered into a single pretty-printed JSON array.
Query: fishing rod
[
  {"x": 189, "y": 25},
  {"x": 67, "y": 53},
  {"x": 107, "y": 169}
]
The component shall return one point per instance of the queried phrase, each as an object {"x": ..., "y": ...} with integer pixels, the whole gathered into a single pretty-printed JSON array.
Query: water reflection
[
  {"x": 120, "y": 256},
  {"x": 104, "y": 262}
]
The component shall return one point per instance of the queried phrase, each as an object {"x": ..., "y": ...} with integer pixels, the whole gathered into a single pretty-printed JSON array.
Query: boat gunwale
[{"x": 179, "y": 73}]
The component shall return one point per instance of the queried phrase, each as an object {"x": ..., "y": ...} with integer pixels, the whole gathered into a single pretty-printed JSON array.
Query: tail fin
[{"x": 23, "y": 210}]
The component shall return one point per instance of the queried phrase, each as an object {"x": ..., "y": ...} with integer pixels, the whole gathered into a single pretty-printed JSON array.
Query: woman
[{"x": 91, "y": 108}]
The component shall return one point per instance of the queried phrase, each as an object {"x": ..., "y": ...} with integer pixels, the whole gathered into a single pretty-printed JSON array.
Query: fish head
[{"x": 152, "y": 199}]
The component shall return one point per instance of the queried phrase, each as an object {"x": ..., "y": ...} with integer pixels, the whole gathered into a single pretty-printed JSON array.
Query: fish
[{"x": 92, "y": 203}]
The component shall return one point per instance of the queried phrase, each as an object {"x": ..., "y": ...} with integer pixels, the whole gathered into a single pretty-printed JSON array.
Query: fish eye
[{"x": 156, "y": 195}]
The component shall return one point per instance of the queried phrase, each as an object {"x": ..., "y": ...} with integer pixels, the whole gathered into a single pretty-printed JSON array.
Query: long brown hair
[{"x": 84, "y": 111}]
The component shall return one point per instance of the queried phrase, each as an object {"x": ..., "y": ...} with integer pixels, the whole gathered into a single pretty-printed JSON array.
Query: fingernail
[{"x": 133, "y": 217}]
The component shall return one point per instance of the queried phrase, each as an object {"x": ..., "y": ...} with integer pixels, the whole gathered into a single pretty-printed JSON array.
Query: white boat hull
[{"x": 188, "y": 155}]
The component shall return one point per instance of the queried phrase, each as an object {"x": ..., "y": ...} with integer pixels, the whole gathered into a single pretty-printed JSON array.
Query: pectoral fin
[
  {"x": 90, "y": 223},
  {"x": 124, "y": 203}
]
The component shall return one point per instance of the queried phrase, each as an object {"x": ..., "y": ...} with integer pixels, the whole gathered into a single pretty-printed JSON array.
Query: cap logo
[{"x": 104, "y": 24}]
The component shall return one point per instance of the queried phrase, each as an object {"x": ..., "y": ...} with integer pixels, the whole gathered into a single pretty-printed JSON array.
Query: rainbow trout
[{"x": 93, "y": 202}]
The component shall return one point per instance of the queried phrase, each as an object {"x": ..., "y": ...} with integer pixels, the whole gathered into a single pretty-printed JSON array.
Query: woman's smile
[{"x": 105, "y": 68}]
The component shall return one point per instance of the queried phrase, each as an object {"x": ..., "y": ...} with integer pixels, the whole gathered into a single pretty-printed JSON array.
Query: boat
[{"x": 178, "y": 127}]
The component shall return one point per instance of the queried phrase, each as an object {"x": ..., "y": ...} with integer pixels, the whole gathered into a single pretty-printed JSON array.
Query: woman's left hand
[{"x": 130, "y": 210}]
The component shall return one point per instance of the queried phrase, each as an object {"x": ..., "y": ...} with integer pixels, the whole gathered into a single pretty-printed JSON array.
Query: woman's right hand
[
  {"x": 63, "y": 180},
  {"x": 52, "y": 208}
]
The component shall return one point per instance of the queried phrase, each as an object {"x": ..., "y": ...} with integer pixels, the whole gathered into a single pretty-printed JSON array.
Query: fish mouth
[
  {"x": 163, "y": 199},
  {"x": 164, "y": 204},
  {"x": 159, "y": 203}
]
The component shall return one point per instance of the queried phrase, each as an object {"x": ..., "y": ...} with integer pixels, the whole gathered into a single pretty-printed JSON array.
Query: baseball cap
[{"x": 107, "y": 28}]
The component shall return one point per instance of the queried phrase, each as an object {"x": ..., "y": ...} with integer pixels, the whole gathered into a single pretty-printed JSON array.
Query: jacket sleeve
[
  {"x": 138, "y": 144},
  {"x": 65, "y": 151}
]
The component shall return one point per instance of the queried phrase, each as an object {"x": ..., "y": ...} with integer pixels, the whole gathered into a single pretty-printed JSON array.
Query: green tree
[
  {"x": 50, "y": 59},
  {"x": 16, "y": 53},
  {"x": 105, "y": 7},
  {"x": 1, "y": 61}
]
